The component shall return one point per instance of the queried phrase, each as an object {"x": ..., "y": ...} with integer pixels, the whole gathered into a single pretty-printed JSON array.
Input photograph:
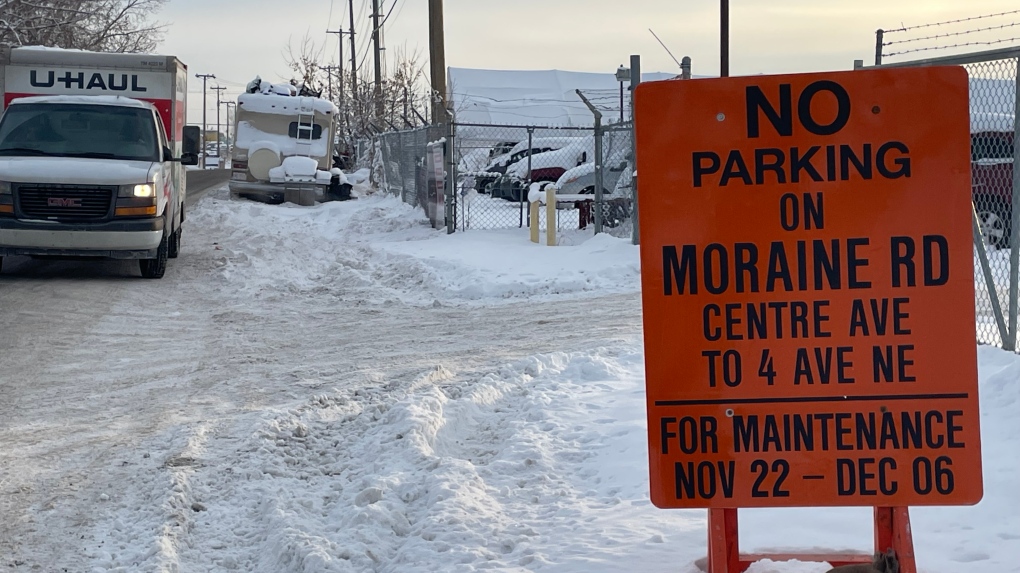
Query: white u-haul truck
[{"x": 92, "y": 149}]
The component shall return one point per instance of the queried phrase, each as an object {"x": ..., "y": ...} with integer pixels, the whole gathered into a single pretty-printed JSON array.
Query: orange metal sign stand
[
  {"x": 892, "y": 531},
  {"x": 808, "y": 297}
]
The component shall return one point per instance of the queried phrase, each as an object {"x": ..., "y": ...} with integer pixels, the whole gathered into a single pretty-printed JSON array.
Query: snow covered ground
[{"x": 340, "y": 388}]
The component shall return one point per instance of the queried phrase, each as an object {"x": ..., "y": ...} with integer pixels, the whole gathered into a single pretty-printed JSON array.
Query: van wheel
[
  {"x": 1, "y": 263},
  {"x": 174, "y": 248},
  {"x": 155, "y": 268}
]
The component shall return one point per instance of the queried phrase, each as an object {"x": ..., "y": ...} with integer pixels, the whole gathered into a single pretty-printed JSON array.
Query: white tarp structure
[{"x": 530, "y": 97}]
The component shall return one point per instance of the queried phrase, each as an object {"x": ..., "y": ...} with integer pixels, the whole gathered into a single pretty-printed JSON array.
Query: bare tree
[{"x": 98, "y": 25}]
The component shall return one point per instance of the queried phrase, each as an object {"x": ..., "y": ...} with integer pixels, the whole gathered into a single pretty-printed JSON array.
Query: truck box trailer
[{"x": 92, "y": 154}]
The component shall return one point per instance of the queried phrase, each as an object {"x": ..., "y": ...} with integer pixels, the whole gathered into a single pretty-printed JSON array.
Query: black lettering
[
  {"x": 665, "y": 434},
  {"x": 135, "y": 86},
  {"x": 820, "y": 319},
  {"x": 844, "y": 365},
  {"x": 745, "y": 434},
  {"x": 732, "y": 321},
  {"x": 775, "y": 166},
  {"x": 865, "y": 430},
  {"x": 882, "y": 360},
  {"x": 782, "y": 120},
  {"x": 711, "y": 333},
  {"x": 842, "y": 107},
  {"x": 889, "y": 438},
  {"x": 33, "y": 79},
  {"x": 861, "y": 164},
  {"x": 680, "y": 272},
  {"x": 112, "y": 83},
  {"x": 904, "y": 362},
  {"x": 756, "y": 321},
  {"x": 846, "y": 477},
  {"x": 800, "y": 163},
  {"x": 827, "y": 267},
  {"x": 798, "y": 319},
  {"x": 746, "y": 260},
  {"x": 700, "y": 169},
  {"x": 853, "y": 261},
  {"x": 96, "y": 82},
  {"x": 929, "y": 242},
  {"x": 911, "y": 430},
  {"x": 723, "y": 267},
  {"x": 814, "y": 211},
  {"x": 735, "y": 167},
  {"x": 902, "y": 163},
  {"x": 952, "y": 428},
  {"x": 779, "y": 268},
  {"x": 842, "y": 431},
  {"x": 900, "y": 315},
  {"x": 903, "y": 260},
  {"x": 886, "y": 484},
  {"x": 932, "y": 439},
  {"x": 858, "y": 318}
]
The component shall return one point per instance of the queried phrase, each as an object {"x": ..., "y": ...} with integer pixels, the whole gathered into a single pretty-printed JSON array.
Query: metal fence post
[
  {"x": 1014, "y": 240},
  {"x": 531, "y": 133},
  {"x": 451, "y": 176},
  {"x": 685, "y": 68},
  {"x": 599, "y": 166},
  {"x": 879, "y": 34},
  {"x": 986, "y": 271},
  {"x": 635, "y": 79}
]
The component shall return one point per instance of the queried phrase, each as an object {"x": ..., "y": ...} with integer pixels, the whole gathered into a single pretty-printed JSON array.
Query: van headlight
[
  {"x": 142, "y": 190},
  {"x": 5, "y": 187}
]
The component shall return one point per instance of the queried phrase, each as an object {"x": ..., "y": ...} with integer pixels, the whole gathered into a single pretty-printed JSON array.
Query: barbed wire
[
  {"x": 989, "y": 43},
  {"x": 950, "y": 34},
  {"x": 906, "y": 28}
]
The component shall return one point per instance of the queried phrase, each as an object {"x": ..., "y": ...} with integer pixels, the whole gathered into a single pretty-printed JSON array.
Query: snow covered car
[
  {"x": 547, "y": 166},
  {"x": 284, "y": 147},
  {"x": 581, "y": 179},
  {"x": 520, "y": 150}
]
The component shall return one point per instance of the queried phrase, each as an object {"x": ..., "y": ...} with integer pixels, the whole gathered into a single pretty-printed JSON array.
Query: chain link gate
[{"x": 995, "y": 187}]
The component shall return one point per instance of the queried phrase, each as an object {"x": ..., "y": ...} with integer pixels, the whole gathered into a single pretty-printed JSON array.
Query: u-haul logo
[{"x": 92, "y": 81}]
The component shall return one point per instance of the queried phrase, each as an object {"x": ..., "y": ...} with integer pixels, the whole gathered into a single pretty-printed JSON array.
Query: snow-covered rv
[
  {"x": 284, "y": 146},
  {"x": 91, "y": 153}
]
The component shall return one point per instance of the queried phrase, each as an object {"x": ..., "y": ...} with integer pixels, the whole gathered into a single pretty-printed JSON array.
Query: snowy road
[
  {"x": 342, "y": 389},
  {"x": 109, "y": 381}
]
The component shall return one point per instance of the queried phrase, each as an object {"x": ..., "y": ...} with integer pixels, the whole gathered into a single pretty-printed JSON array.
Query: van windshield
[{"x": 79, "y": 130}]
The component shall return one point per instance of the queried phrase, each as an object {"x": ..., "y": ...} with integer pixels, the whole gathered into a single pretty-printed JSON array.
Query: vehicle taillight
[{"x": 240, "y": 165}]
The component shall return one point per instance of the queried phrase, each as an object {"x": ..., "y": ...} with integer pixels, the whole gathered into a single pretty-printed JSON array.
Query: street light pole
[
  {"x": 204, "y": 77},
  {"x": 724, "y": 38},
  {"x": 622, "y": 75}
]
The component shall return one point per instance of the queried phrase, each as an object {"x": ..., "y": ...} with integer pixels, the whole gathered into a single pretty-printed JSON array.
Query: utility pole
[
  {"x": 339, "y": 66},
  {"x": 724, "y": 39},
  {"x": 329, "y": 76},
  {"x": 229, "y": 104},
  {"x": 380, "y": 105},
  {"x": 354, "y": 62},
  {"x": 219, "y": 147},
  {"x": 204, "y": 77},
  {"x": 437, "y": 61}
]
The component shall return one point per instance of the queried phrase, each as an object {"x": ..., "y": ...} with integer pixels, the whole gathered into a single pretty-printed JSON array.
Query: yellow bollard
[{"x": 550, "y": 215}]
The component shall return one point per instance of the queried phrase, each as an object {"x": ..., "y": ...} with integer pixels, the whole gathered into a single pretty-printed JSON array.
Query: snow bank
[{"x": 386, "y": 250}]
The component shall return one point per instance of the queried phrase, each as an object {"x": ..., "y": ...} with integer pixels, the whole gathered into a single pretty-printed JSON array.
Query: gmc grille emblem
[{"x": 63, "y": 202}]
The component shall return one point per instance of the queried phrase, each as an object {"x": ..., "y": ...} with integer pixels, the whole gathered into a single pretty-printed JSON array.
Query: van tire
[
  {"x": 155, "y": 268},
  {"x": 1, "y": 263},
  {"x": 174, "y": 248}
]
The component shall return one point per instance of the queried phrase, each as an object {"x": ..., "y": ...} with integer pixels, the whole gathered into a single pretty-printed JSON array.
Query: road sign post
[{"x": 808, "y": 293}]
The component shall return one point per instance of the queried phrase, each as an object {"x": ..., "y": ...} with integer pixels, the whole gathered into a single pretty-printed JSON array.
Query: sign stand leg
[{"x": 892, "y": 531}]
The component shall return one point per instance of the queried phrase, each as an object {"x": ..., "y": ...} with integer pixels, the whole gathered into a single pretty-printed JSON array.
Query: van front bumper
[{"x": 127, "y": 239}]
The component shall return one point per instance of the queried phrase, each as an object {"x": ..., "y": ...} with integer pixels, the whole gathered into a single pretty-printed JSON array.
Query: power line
[{"x": 905, "y": 28}]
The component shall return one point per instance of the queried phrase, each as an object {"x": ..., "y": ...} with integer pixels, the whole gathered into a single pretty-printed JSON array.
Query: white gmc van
[{"x": 92, "y": 148}]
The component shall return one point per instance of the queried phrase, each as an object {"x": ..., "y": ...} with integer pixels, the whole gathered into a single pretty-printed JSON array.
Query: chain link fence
[{"x": 995, "y": 187}]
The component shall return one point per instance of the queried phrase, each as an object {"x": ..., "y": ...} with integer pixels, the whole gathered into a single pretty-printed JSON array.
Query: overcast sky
[{"x": 237, "y": 39}]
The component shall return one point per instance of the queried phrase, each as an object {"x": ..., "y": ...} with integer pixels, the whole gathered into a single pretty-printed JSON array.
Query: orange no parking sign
[{"x": 808, "y": 290}]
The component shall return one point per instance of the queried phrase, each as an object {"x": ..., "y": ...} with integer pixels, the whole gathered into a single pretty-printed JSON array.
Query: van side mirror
[{"x": 192, "y": 140}]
